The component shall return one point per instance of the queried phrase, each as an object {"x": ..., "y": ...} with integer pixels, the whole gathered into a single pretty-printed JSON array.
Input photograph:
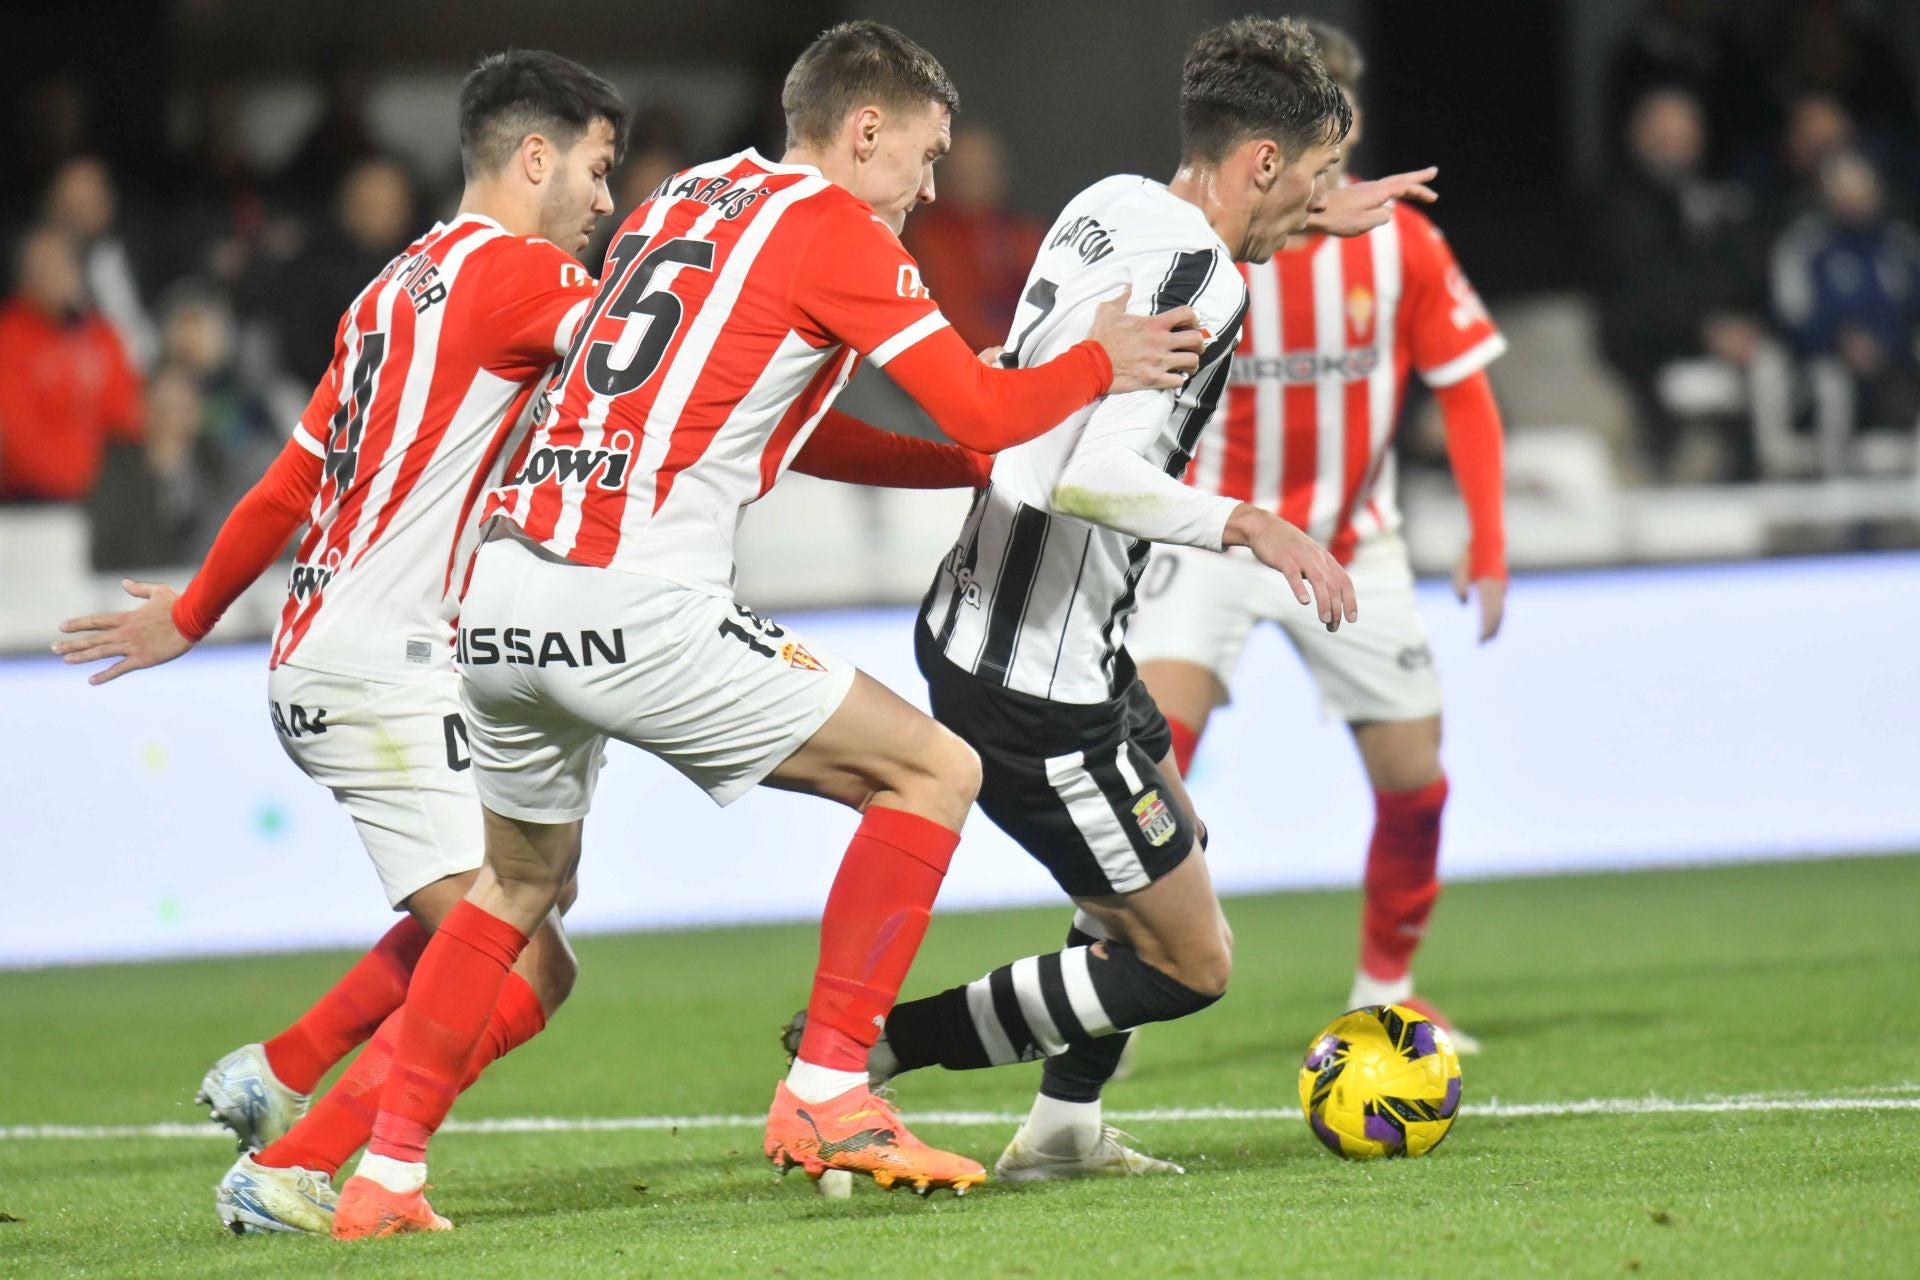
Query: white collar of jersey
[{"x": 761, "y": 162}]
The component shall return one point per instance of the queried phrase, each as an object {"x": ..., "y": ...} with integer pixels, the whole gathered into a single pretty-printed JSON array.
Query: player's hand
[
  {"x": 1149, "y": 353},
  {"x": 1493, "y": 596},
  {"x": 992, "y": 356},
  {"x": 1305, "y": 563},
  {"x": 1361, "y": 206},
  {"x": 142, "y": 637}
]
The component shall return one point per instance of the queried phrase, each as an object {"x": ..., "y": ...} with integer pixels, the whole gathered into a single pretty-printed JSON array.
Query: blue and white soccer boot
[
  {"x": 254, "y": 1198},
  {"x": 241, "y": 1092},
  {"x": 1110, "y": 1157}
]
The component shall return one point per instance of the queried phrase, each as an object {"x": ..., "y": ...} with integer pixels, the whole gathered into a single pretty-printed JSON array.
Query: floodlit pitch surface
[{"x": 1687, "y": 1073}]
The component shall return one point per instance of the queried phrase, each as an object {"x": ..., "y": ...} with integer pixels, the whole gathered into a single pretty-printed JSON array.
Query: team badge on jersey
[
  {"x": 1360, "y": 309},
  {"x": 797, "y": 657},
  {"x": 1156, "y": 820}
]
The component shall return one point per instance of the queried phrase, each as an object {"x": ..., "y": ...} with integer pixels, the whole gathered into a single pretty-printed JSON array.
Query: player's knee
[
  {"x": 959, "y": 767},
  {"x": 1208, "y": 974}
]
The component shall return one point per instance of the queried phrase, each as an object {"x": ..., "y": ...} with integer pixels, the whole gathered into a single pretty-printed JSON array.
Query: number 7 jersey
[{"x": 732, "y": 309}]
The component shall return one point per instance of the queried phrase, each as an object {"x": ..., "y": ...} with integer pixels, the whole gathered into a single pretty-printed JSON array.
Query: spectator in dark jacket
[
  {"x": 1846, "y": 286},
  {"x": 160, "y": 502},
  {"x": 1680, "y": 262}
]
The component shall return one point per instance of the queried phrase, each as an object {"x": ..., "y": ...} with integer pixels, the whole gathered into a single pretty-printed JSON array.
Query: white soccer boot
[
  {"x": 1111, "y": 1157},
  {"x": 253, "y": 1197},
  {"x": 243, "y": 1094}
]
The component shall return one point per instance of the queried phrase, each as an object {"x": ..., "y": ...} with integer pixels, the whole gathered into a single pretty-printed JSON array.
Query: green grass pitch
[{"x": 1789, "y": 989}]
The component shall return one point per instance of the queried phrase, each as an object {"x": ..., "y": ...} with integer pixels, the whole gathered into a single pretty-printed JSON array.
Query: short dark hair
[
  {"x": 521, "y": 91},
  {"x": 1258, "y": 77},
  {"x": 851, "y": 65}
]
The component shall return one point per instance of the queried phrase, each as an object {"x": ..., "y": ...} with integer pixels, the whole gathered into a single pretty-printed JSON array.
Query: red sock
[
  {"x": 342, "y": 1121},
  {"x": 453, "y": 995},
  {"x": 1186, "y": 740},
  {"x": 875, "y": 917},
  {"x": 348, "y": 1014},
  {"x": 1401, "y": 881}
]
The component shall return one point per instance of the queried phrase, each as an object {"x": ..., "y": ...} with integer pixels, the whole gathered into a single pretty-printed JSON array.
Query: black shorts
[{"x": 1078, "y": 785}]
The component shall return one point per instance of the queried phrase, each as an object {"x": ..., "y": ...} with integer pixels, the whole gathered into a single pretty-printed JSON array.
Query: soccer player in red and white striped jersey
[
  {"x": 435, "y": 363},
  {"x": 735, "y": 304},
  {"x": 1333, "y": 329}
]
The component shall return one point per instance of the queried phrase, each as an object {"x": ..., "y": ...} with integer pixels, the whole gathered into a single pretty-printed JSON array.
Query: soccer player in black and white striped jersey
[{"x": 1022, "y": 636}]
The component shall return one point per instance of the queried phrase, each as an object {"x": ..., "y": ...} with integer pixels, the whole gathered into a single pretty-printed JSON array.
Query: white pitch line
[{"x": 1883, "y": 1098}]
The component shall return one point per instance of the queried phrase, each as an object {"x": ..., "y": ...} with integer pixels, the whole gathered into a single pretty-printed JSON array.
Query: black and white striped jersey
[{"x": 1035, "y": 595}]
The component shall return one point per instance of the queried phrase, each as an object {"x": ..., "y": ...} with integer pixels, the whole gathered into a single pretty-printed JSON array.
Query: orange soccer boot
[
  {"x": 367, "y": 1209},
  {"x": 860, "y": 1133}
]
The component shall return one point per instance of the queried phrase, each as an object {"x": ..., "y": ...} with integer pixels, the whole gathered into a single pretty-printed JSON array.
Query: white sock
[
  {"x": 811, "y": 1082},
  {"x": 395, "y": 1175},
  {"x": 1368, "y": 989},
  {"x": 1063, "y": 1128}
]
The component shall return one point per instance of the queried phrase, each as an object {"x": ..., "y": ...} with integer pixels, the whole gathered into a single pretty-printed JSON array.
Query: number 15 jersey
[{"x": 733, "y": 306}]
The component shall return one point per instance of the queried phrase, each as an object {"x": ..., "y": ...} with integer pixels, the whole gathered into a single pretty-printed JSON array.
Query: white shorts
[
  {"x": 555, "y": 658},
  {"x": 1200, "y": 606},
  {"x": 395, "y": 756}
]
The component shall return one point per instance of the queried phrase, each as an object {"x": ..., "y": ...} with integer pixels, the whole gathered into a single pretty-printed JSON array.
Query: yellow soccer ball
[{"x": 1380, "y": 1081}]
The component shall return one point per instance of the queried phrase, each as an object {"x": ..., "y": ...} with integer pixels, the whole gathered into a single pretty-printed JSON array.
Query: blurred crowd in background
[{"x": 1755, "y": 269}]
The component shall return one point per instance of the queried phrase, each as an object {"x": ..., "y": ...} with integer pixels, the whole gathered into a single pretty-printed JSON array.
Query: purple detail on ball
[
  {"x": 1324, "y": 1051},
  {"x": 1385, "y": 1132},
  {"x": 1423, "y": 1045},
  {"x": 1327, "y": 1135},
  {"x": 1452, "y": 1103}
]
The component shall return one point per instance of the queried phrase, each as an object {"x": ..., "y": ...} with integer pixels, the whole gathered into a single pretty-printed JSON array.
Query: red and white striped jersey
[
  {"x": 434, "y": 366},
  {"x": 1333, "y": 327},
  {"x": 733, "y": 307}
]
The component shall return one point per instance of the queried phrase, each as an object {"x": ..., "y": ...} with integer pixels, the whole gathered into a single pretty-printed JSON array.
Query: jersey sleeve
[
  {"x": 527, "y": 303},
  {"x": 858, "y": 285},
  {"x": 252, "y": 537},
  {"x": 1114, "y": 475},
  {"x": 1448, "y": 333}
]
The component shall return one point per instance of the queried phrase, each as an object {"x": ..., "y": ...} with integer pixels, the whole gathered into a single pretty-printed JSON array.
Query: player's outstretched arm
[
  {"x": 1304, "y": 563},
  {"x": 1476, "y": 448},
  {"x": 989, "y": 409},
  {"x": 846, "y": 449},
  {"x": 167, "y": 624},
  {"x": 1359, "y": 207}
]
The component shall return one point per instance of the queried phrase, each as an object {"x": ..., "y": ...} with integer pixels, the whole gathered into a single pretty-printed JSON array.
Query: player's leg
[
  {"x": 534, "y": 768},
  {"x": 913, "y": 782},
  {"x": 416, "y": 823},
  {"x": 341, "y": 1121},
  {"x": 336, "y": 730},
  {"x": 1402, "y": 880},
  {"x": 1117, "y": 833},
  {"x": 1380, "y": 679}
]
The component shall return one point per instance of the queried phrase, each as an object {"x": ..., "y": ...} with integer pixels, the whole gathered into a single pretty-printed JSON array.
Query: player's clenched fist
[
  {"x": 1306, "y": 564},
  {"x": 1149, "y": 353}
]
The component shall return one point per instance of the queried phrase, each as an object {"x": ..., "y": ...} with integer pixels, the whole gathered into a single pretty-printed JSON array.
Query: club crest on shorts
[
  {"x": 1156, "y": 820},
  {"x": 796, "y": 656}
]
